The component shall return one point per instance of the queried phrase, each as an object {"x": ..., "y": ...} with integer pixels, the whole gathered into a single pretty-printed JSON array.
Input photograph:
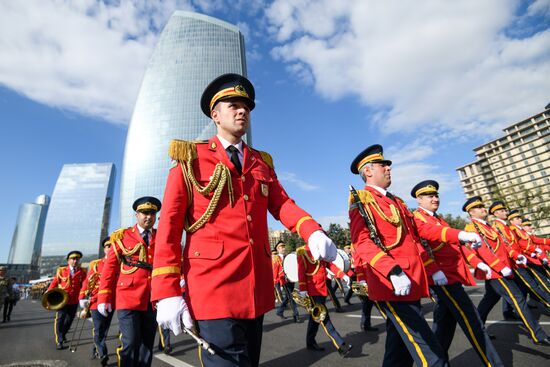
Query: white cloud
[
  {"x": 83, "y": 55},
  {"x": 450, "y": 64},
  {"x": 293, "y": 179}
]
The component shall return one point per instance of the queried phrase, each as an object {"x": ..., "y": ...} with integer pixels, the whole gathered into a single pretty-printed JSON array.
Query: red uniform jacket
[
  {"x": 227, "y": 260},
  {"x": 398, "y": 232},
  {"x": 359, "y": 266},
  {"x": 312, "y": 274},
  {"x": 449, "y": 255},
  {"x": 528, "y": 243},
  {"x": 94, "y": 273},
  {"x": 70, "y": 284},
  {"x": 127, "y": 287},
  {"x": 278, "y": 272},
  {"x": 497, "y": 260}
]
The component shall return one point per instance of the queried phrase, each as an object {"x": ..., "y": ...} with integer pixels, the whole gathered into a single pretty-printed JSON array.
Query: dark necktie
[
  {"x": 145, "y": 236},
  {"x": 235, "y": 158}
]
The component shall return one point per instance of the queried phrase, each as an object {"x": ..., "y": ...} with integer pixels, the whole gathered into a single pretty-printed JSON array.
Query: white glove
[
  {"x": 182, "y": 283},
  {"x": 522, "y": 260},
  {"x": 470, "y": 237},
  {"x": 104, "y": 308},
  {"x": 346, "y": 279},
  {"x": 84, "y": 303},
  {"x": 439, "y": 278},
  {"x": 538, "y": 251},
  {"x": 484, "y": 267},
  {"x": 401, "y": 284},
  {"x": 321, "y": 246},
  {"x": 303, "y": 293},
  {"x": 545, "y": 261},
  {"x": 506, "y": 272},
  {"x": 171, "y": 312},
  {"x": 363, "y": 282},
  {"x": 533, "y": 254}
]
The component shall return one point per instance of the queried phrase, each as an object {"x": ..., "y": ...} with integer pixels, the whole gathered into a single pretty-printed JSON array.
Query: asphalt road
[{"x": 29, "y": 337}]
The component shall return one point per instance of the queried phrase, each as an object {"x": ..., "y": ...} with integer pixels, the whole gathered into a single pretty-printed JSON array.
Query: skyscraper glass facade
[
  {"x": 29, "y": 230},
  {"x": 192, "y": 50},
  {"x": 78, "y": 217}
]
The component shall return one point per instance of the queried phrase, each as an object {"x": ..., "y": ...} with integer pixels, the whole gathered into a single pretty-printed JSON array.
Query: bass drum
[{"x": 290, "y": 267}]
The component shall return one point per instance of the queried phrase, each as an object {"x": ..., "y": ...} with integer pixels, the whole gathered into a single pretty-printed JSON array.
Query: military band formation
[{"x": 219, "y": 192}]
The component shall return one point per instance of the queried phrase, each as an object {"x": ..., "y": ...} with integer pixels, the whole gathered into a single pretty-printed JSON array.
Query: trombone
[{"x": 82, "y": 316}]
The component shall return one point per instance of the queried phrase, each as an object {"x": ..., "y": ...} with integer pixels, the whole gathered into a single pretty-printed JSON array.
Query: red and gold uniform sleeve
[
  {"x": 55, "y": 282},
  {"x": 109, "y": 276}
]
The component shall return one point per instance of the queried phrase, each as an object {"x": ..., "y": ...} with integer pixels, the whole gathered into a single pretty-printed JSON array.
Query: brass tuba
[
  {"x": 360, "y": 289},
  {"x": 55, "y": 299},
  {"x": 317, "y": 311}
]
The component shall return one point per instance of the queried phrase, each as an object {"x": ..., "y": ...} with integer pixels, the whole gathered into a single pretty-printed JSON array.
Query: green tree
[
  {"x": 292, "y": 241},
  {"x": 530, "y": 203},
  {"x": 455, "y": 221},
  {"x": 339, "y": 235}
]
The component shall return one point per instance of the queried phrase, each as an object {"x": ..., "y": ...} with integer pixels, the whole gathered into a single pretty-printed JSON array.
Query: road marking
[
  {"x": 487, "y": 322},
  {"x": 171, "y": 360}
]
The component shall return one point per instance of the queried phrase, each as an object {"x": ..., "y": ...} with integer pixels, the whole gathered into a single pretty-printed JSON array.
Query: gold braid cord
[
  {"x": 93, "y": 281},
  {"x": 185, "y": 152},
  {"x": 303, "y": 254},
  {"x": 62, "y": 279},
  {"x": 395, "y": 220},
  {"x": 521, "y": 235},
  {"x": 125, "y": 252}
]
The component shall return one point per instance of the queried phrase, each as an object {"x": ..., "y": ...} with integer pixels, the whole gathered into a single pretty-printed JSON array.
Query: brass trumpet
[
  {"x": 360, "y": 289},
  {"x": 317, "y": 311},
  {"x": 55, "y": 299}
]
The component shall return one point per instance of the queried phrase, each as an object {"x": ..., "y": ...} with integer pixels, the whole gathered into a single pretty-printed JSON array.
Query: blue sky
[{"x": 428, "y": 80}]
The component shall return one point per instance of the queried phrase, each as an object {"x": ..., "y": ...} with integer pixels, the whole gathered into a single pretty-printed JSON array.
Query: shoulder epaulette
[
  {"x": 266, "y": 157},
  {"x": 118, "y": 234},
  {"x": 470, "y": 227},
  {"x": 301, "y": 251},
  {"x": 365, "y": 196},
  {"x": 182, "y": 150},
  {"x": 419, "y": 215}
]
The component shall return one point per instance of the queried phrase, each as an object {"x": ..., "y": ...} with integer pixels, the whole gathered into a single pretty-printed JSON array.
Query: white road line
[
  {"x": 171, "y": 360},
  {"x": 487, "y": 322}
]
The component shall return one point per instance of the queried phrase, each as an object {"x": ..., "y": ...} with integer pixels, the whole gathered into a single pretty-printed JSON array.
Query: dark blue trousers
[
  {"x": 164, "y": 338},
  {"x": 63, "y": 321},
  {"x": 409, "y": 337},
  {"x": 286, "y": 298},
  {"x": 366, "y": 307},
  {"x": 100, "y": 331},
  {"x": 137, "y": 329},
  {"x": 237, "y": 342},
  {"x": 508, "y": 290},
  {"x": 530, "y": 281},
  {"x": 453, "y": 305},
  {"x": 313, "y": 327}
]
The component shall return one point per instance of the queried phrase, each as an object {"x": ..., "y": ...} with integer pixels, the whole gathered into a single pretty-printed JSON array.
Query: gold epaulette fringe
[
  {"x": 267, "y": 158},
  {"x": 118, "y": 235},
  {"x": 365, "y": 196},
  {"x": 181, "y": 150},
  {"x": 300, "y": 251},
  {"x": 470, "y": 227},
  {"x": 419, "y": 215}
]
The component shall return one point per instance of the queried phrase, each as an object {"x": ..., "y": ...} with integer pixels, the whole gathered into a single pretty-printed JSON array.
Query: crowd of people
[{"x": 219, "y": 285}]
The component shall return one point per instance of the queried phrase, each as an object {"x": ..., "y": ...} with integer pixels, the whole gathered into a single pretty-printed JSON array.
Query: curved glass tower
[{"x": 192, "y": 50}]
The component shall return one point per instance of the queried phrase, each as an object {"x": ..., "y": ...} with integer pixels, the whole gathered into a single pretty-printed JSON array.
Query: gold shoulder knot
[
  {"x": 365, "y": 196},
  {"x": 118, "y": 234},
  {"x": 182, "y": 150},
  {"x": 267, "y": 158},
  {"x": 469, "y": 227},
  {"x": 301, "y": 251},
  {"x": 419, "y": 215}
]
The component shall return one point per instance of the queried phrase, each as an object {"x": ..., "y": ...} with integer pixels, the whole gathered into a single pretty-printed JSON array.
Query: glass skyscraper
[
  {"x": 29, "y": 230},
  {"x": 78, "y": 217},
  {"x": 192, "y": 50}
]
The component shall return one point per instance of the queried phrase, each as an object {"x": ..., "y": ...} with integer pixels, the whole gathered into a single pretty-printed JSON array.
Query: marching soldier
[
  {"x": 126, "y": 283},
  {"x": 523, "y": 263},
  {"x": 453, "y": 304},
  {"x": 384, "y": 235},
  {"x": 312, "y": 276},
  {"x": 500, "y": 284},
  {"x": 283, "y": 286},
  {"x": 534, "y": 247},
  {"x": 352, "y": 274},
  {"x": 88, "y": 300},
  {"x": 70, "y": 279},
  {"x": 219, "y": 191}
]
